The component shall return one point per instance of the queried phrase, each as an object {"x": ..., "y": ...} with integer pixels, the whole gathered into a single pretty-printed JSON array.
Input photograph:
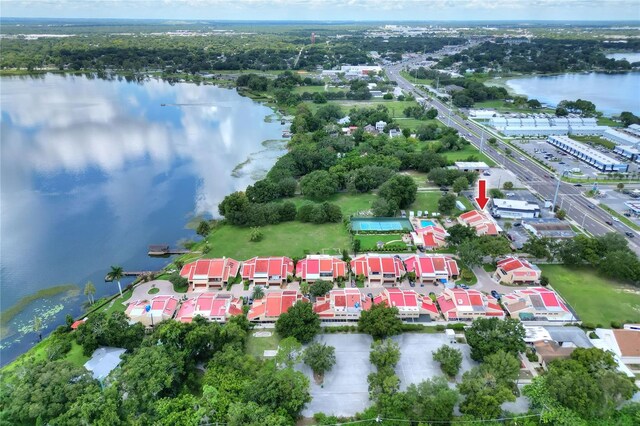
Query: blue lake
[
  {"x": 93, "y": 171},
  {"x": 611, "y": 93}
]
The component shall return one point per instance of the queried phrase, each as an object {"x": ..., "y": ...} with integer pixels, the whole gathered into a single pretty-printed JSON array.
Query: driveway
[
  {"x": 486, "y": 283},
  {"x": 141, "y": 291}
]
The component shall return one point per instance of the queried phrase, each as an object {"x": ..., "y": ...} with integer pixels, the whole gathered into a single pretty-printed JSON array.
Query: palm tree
[
  {"x": 89, "y": 291},
  {"x": 258, "y": 292},
  {"x": 507, "y": 226},
  {"x": 115, "y": 274},
  {"x": 37, "y": 326},
  {"x": 304, "y": 287}
]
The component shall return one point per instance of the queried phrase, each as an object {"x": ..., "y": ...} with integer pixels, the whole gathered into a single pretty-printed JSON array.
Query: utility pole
[
  {"x": 482, "y": 140},
  {"x": 555, "y": 196}
]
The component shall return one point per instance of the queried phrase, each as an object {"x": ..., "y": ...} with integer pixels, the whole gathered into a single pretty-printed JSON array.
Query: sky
[{"x": 331, "y": 10}]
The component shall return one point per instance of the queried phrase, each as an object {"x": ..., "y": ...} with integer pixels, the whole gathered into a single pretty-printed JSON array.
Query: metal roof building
[{"x": 594, "y": 158}]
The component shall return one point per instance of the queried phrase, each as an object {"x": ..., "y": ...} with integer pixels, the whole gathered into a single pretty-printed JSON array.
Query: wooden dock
[
  {"x": 163, "y": 250},
  {"x": 107, "y": 279}
]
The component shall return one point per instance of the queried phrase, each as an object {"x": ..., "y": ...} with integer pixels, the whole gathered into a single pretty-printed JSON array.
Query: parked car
[
  {"x": 629, "y": 234},
  {"x": 370, "y": 296},
  {"x": 522, "y": 159},
  {"x": 579, "y": 185},
  {"x": 592, "y": 207},
  {"x": 495, "y": 294},
  {"x": 412, "y": 283},
  {"x": 608, "y": 222},
  {"x": 517, "y": 224},
  {"x": 464, "y": 286},
  {"x": 627, "y": 214},
  {"x": 486, "y": 174},
  {"x": 444, "y": 189},
  {"x": 615, "y": 219}
]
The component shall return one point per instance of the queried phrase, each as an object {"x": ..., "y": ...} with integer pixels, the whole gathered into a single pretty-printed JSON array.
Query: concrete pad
[
  {"x": 262, "y": 334},
  {"x": 416, "y": 360},
  {"x": 269, "y": 353}
]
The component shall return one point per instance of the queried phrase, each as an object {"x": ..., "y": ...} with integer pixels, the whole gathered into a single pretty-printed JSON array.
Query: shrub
[
  {"x": 615, "y": 324},
  {"x": 457, "y": 326},
  {"x": 180, "y": 284},
  {"x": 593, "y": 335}
]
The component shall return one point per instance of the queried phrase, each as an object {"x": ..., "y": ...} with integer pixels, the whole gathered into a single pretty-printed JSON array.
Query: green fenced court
[{"x": 381, "y": 224}]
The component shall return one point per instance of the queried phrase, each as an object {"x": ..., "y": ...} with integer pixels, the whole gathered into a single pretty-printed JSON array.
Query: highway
[{"x": 579, "y": 209}]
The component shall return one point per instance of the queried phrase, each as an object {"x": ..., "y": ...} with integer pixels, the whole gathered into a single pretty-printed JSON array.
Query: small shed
[{"x": 103, "y": 361}]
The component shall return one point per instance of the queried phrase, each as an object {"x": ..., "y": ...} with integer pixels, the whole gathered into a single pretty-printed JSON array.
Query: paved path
[
  {"x": 486, "y": 283},
  {"x": 141, "y": 291}
]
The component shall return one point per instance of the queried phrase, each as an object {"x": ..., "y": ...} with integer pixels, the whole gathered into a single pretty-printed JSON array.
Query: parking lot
[
  {"x": 345, "y": 390},
  {"x": 615, "y": 200},
  {"x": 556, "y": 158}
]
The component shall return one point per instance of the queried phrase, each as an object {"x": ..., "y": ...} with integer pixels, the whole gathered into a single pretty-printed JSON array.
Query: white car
[{"x": 615, "y": 219}]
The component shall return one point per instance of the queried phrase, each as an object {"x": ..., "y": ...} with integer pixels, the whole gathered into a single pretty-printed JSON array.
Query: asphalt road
[{"x": 540, "y": 180}]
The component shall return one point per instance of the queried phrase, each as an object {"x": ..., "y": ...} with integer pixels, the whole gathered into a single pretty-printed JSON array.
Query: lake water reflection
[{"x": 93, "y": 171}]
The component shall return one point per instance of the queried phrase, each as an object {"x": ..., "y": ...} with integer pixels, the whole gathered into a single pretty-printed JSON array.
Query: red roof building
[
  {"x": 320, "y": 267},
  {"x": 431, "y": 238},
  {"x": 409, "y": 303},
  {"x": 536, "y": 303},
  {"x": 267, "y": 270},
  {"x": 160, "y": 308},
  {"x": 432, "y": 268},
  {"x": 78, "y": 323},
  {"x": 205, "y": 274},
  {"x": 378, "y": 269},
  {"x": 273, "y": 304},
  {"x": 342, "y": 304},
  {"x": 212, "y": 306},
  {"x": 512, "y": 270},
  {"x": 481, "y": 221},
  {"x": 467, "y": 305}
]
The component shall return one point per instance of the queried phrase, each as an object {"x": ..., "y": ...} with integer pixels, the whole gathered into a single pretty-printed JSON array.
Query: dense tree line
[{"x": 541, "y": 55}]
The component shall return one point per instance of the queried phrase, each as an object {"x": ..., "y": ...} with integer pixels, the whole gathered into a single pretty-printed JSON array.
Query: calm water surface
[
  {"x": 611, "y": 93},
  {"x": 93, "y": 171}
]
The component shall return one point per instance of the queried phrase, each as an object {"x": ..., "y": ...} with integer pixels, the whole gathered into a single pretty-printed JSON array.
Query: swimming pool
[{"x": 425, "y": 223}]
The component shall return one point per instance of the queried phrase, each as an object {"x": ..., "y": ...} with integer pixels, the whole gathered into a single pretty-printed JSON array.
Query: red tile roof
[
  {"x": 77, "y": 324},
  {"x": 209, "y": 305},
  {"x": 274, "y": 304},
  {"x": 313, "y": 265},
  {"x": 366, "y": 264},
  {"x": 265, "y": 267},
  {"x": 204, "y": 269}
]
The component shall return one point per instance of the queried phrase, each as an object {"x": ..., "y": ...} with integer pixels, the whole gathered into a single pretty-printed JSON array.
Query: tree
[
  {"x": 89, "y": 291},
  {"x": 431, "y": 113},
  {"x": 256, "y": 234},
  {"x": 356, "y": 246},
  {"x": 496, "y": 193},
  {"x": 537, "y": 247},
  {"x": 492, "y": 141},
  {"x": 385, "y": 353},
  {"x": 489, "y": 335},
  {"x": 431, "y": 399},
  {"x": 320, "y": 288},
  {"x": 115, "y": 274},
  {"x": 561, "y": 112},
  {"x": 484, "y": 395},
  {"x": 629, "y": 118},
  {"x": 561, "y": 214},
  {"x": 450, "y": 359},
  {"x": 470, "y": 253},
  {"x": 459, "y": 233},
  {"x": 252, "y": 414},
  {"x": 39, "y": 391},
  {"x": 289, "y": 352},
  {"x": 534, "y": 104},
  {"x": 460, "y": 184},
  {"x": 304, "y": 287},
  {"x": 203, "y": 228},
  {"x": 507, "y": 226},
  {"x": 507, "y": 185},
  {"x": 320, "y": 357},
  {"x": 504, "y": 367},
  {"x": 492, "y": 246},
  {"x": 447, "y": 203},
  {"x": 380, "y": 321},
  {"x": 382, "y": 207},
  {"x": 234, "y": 208},
  {"x": 258, "y": 292},
  {"x": 400, "y": 188},
  {"x": 281, "y": 390},
  {"x": 37, "y": 326},
  {"x": 318, "y": 185},
  {"x": 300, "y": 322},
  {"x": 620, "y": 186}
]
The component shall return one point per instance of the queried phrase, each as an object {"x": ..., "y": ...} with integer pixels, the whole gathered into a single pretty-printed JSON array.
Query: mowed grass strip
[
  {"x": 293, "y": 239},
  {"x": 596, "y": 300},
  {"x": 349, "y": 203},
  {"x": 257, "y": 345},
  {"x": 370, "y": 242}
]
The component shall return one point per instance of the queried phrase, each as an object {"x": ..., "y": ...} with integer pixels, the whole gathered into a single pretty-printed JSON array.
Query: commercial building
[
  {"x": 320, "y": 267},
  {"x": 516, "y": 209},
  {"x": 512, "y": 270},
  {"x": 205, "y": 274},
  {"x": 378, "y": 269},
  {"x": 594, "y": 158},
  {"x": 473, "y": 166},
  {"x": 430, "y": 269},
  {"x": 273, "y": 304},
  {"x": 354, "y": 70},
  {"x": 267, "y": 271},
  {"x": 467, "y": 305},
  {"x": 622, "y": 137},
  {"x": 342, "y": 304},
  {"x": 538, "y": 125},
  {"x": 549, "y": 227},
  {"x": 536, "y": 304},
  {"x": 217, "y": 307}
]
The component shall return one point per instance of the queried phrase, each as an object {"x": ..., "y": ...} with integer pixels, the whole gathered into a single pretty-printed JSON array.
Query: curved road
[{"x": 540, "y": 180}]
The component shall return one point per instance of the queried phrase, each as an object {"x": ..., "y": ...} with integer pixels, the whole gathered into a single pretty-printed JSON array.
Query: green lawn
[
  {"x": 606, "y": 121},
  {"x": 396, "y": 108},
  {"x": 466, "y": 152},
  {"x": 500, "y": 106},
  {"x": 293, "y": 239},
  {"x": 595, "y": 140},
  {"x": 317, "y": 89},
  {"x": 413, "y": 124},
  {"x": 369, "y": 242},
  {"x": 426, "y": 201},
  {"x": 117, "y": 304},
  {"x": 257, "y": 345},
  {"x": 39, "y": 352},
  {"x": 412, "y": 79},
  {"x": 596, "y": 300},
  {"x": 349, "y": 203}
]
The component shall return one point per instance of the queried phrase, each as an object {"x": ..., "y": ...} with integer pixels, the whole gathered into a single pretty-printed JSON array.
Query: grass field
[
  {"x": 596, "y": 140},
  {"x": 39, "y": 352},
  {"x": 369, "y": 242},
  {"x": 466, "y": 152},
  {"x": 257, "y": 345},
  {"x": 117, "y": 303},
  {"x": 500, "y": 106},
  {"x": 349, "y": 203},
  {"x": 429, "y": 201},
  {"x": 595, "y": 299},
  {"x": 396, "y": 108},
  {"x": 606, "y": 121},
  {"x": 317, "y": 89},
  {"x": 412, "y": 79},
  {"x": 293, "y": 239}
]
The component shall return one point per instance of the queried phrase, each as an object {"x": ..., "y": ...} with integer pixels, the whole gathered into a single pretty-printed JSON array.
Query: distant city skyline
[{"x": 330, "y": 10}]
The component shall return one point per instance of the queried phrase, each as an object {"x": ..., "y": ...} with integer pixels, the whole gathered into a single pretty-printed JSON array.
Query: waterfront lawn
[
  {"x": 257, "y": 345},
  {"x": 293, "y": 239},
  {"x": 117, "y": 305},
  {"x": 370, "y": 242},
  {"x": 465, "y": 153},
  {"x": 500, "y": 106},
  {"x": 348, "y": 203},
  {"x": 39, "y": 353},
  {"x": 596, "y": 300}
]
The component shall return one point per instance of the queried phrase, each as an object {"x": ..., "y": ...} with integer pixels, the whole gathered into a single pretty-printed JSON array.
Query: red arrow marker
[{"x": 482, "y": 199}]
